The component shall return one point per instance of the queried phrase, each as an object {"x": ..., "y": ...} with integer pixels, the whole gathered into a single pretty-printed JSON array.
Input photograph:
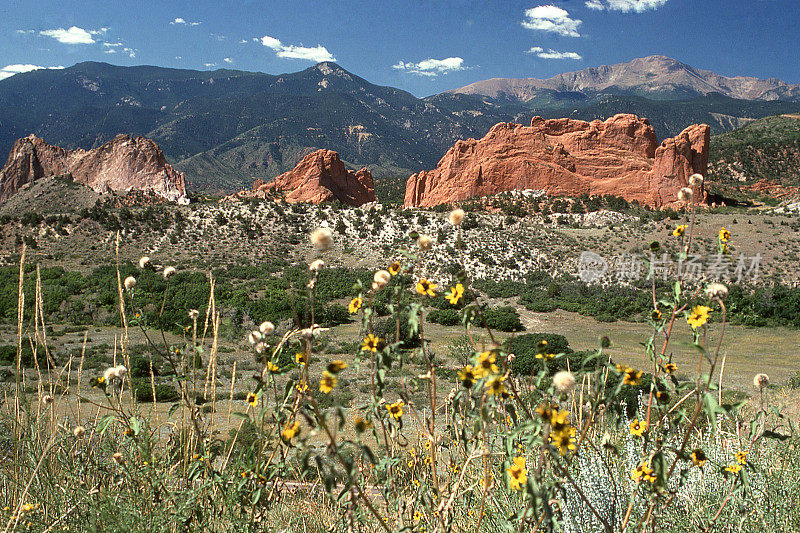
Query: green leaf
[{"x": 104, "y": 423}]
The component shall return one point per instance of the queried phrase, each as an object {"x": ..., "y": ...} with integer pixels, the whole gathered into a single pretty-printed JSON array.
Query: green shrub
[{"x": 503, "y": 318}]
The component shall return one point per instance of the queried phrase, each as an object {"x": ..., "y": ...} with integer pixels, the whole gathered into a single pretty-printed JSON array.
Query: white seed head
[
  {"x": 169, "y": 272},
  {"x": 130, "y": 282},
  {"x": 266, "y": 328},
  {"x": 456, "y": 216},
  {"x": 375, "y": 286},
  {"x": 381, "y": 278},
  {"x": 144, "y": 262},
  {"x": 564, "y": 381},
  {"x": 110, "y": 373},
  {"x": 695, "y": 180},
  {"x": 316, "y": 266},
  {"x": 321, "y": 238},
  {"x": 716, "y": 291},
  {"x": 193, "y": 314},
  {"x": 261, "y": 347},
  {"x": 47, "y": 399},
  {"x": 121, "y": 371},
  {"x": 118, "y": 458},
  {"x": 254, "y": 337},
  {"x": 760, "y": 381},
  {"x": 78, "y": 432},
  {"x": 685, "y": 194},
  {"x": 424, "y": 242}
]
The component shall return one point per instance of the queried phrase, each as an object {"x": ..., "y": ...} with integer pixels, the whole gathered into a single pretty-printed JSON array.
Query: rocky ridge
[
  {"x": 122, "y": 164},
  {"x": 619, "y": 156},
  {"x": 320, "y": 177}
]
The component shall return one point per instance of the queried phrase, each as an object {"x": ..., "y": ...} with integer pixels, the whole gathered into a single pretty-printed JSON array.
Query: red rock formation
[
  {"x": 567, "y": 157},
  {"x": 322, "y": 176},
  {"x": 122, "y": 164}
]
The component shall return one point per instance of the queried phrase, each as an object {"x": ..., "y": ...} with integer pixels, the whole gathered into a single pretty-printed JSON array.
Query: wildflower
[
  {"x": 328, "y": 382},
  {"x": 724, "y": 235},
  {"x": 381, "y": 278},
  {"x": 455, "y": 294},
  {"x": 670, "y": 368},
  {"x": 517, "y": 474},
  {"x": 496, "y": 385},
  {"x": 355, "y": 304},
  {"x": 679, "y": 230},
  {"x": 169, "y": 272},
  {"x": 121, "y": 371},
  {"x": 290, "y": 431},
  {"x": 468, "y": 376},
  {"x": 695, "y": 180},
  {"x": 426, "y": 288},
  {"x": 655, "y": 315},
  {"x": 733, "y": 468},
  {"x": 760, "y": 381},
  {"x": 662, "y": 396},
  {"x": 631, "y": 377},
  {"x": 685, "y": 194},
  {"x": 144, "y": 262},
  {"x": 254, "y": 337},
  {"x": 272, "y": 367},
  {"x": 361, "y": 424},
  {"x": 564, "y": 381},
  {"x": 118, "y": 458},
  {"x": 301, "y": 358},
  {"x": 47, "y": 399},
  {"x": 716, "y": 291},
  {"x": 316, "y": 266},
  {"x": 638, "y": 428},
  {"x": 546, "y": 412},
  {"x": 130, "y": 283},
  {"x": 698, "y": 457},
  {"x": 545, "y": 356},
  {"x": 741, "y": 458},
  {"x": 564, "y": 440},
  {"x": 486, "y": 363},
  {"x": 193, "y": 314},
  {"x": 394, "y": 268},
  {"x": 78, "y": 432},
  {"x": 301, "y": 386},
  {"x": 424, "y": 242},
  {"x": 321, "y": 238},
  {"x": 252, "y": 399},
  {"x": 643, "y": 473},
  {"x": 334, "y": 367},
  {"x": 266, "y": 328},
  {"x": 371, "y": 343},
  {"x": 698, "y": 316},
  {"x": 395, "y": 409}
]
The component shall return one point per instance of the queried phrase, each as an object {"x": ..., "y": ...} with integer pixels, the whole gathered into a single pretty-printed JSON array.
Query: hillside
[
  {"x": 225, "y": 127},
  {"x": 766, "y": 149}
]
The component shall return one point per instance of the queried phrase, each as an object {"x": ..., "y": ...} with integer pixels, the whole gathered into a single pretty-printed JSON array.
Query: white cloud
[
  {"x": 25, "y": 32},
  {"x": 112, "y": 48},
  {"x": 228, "y": 60},
  {"x": 317, "y": 53},
  {"x": 432, "y": 67},
  {"x": 625, "y": 6},
  {"x": 10, "y": 70},
  {"x": 245, "y": 41},
  {"x": 209, "y": 65},
  {"x": 551, "y": 19},
  {"x": 552, "y": 54},
  {"x": 185, "y": 22},
  {"x": 73, "y": 35}
]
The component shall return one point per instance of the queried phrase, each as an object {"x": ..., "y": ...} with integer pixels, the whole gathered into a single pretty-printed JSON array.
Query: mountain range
[{"x": 223, "y": 128}]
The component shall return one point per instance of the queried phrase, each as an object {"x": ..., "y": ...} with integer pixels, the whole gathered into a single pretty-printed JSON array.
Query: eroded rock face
[
  {"x": 321, "y": 176},
  {"x": 620, "y": 156},
  {"x": 124, "y": 163}
]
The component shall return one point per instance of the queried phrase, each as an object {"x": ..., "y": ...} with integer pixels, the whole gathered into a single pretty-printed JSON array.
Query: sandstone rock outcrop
[
  {"x": 122, "y": 164},
  {"x": 321, "y": 176},
  {"x": 619, "y": 156}
]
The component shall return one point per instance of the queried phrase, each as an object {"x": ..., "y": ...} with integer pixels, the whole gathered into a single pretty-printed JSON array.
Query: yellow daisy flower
[
  {"x": 679, "y": 230},
  {"x": 517, "y": 474},
  {"x": 371, "y": 343},
  {"x": 252, "y": 399},
  {"x": 455, "y": 294},
  {"x": 395, "y": 409},
  {"x": 355, "y": 304},
  {"x": 290, "y": 431},
  {"x": 638, "y": 428},
  {"x": 699, "y": 457},
  {"x": 724, "y": 235},
  {"x": 698, "y": 316},
  {"x": 426, "y": 288},
  {"x": 328, "y": 382},
  {"x": 394, "y": 268}
]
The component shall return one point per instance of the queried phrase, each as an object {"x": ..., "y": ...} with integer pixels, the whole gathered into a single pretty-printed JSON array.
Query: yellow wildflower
[
  {"x": 468, "y": 376},
  {"x": 496, "y": 385},
  {"x": 334, "y": 367},
  {"x": 301, "y": 358},
  {"x": 328, "y": 382},
  {"x": 564, "y": 440},
  {"x": 632, "y": 377},
  {"x": 290, "y": 431},
  {"x": 395, "y": 409},
  {"x": 252, "y": 399},
  {"x": 394, "y": 268},
  {"x": 679, "y": 230},
  {"x": 741, "y": 458},
  {"x": 455, "y": 294},
  {"x": 517, "y": 474},
  {"x": 698, "y": 316},
  {"x": 638, "y": 428},
  {"x": 734, "y": 468},
  {"x": 724, "y": 235},
  {"x": 371, "y": 343},
  {"x": 699, "y": 457},
  {"x": 643, "y": 473},
  {"x": 426, "y": 288},
  {"x": 355, "y": 304},
  {"x": 486, "y": 363}
]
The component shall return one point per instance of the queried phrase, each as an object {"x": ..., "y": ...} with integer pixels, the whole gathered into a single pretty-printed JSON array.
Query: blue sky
[{"x": 424, "y": 47}]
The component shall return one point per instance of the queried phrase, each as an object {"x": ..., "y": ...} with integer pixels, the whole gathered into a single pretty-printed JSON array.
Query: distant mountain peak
[{"x": 657, "y": 76}]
